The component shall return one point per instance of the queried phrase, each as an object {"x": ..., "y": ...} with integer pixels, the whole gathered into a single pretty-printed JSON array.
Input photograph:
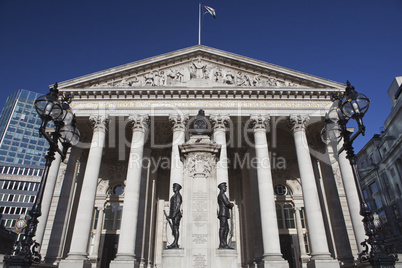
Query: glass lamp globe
[
  {"x": 354, "y": 104},
  {"x": 70, "y": 134},
  {"x": 331, "y": 133},
  {"x": 48, "y": 106},
  {"x": 67, "y": 116},
  {"x": 335, "y": 113}
]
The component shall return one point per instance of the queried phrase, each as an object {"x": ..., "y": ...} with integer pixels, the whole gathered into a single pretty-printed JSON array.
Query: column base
[
  {"x": 75, "y": 261},
  {"x": 124, "y": 261},
  {"x": 173, "y": 258},
  {"x": 274, "y": 261},
  {"x": 331, "y": 263},
  {"x": 226, "y": 258}
]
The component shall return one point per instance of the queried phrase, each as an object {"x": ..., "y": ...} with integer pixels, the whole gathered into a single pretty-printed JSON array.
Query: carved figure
[
  {"x": 149, "y": 79},
  {"x": 256, "y": 81},
  {"x": 134, "y": 81},
  {"x": 218, "y": 76},
  {"x": 229, "y": 79},
  {"x": 175, "y": 214},
  {"x": 198, "y": 70},
  {"x": 272, "y": 82},
  {"x": 175, "y": 75},
  {"x": 161, "y": 78},
  {"x": 223, "y": 215}
]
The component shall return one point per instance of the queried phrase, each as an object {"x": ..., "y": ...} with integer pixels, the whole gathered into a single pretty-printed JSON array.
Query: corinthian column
[
  {"x": 77, "y": 257},
  {"x": 176, "y": 167},
  {"x": 352, "y": 198},
  {"x": 219, "y": 136},
  {"x": 315, "y": 222},
  {"x": 47, "y": 197},
  {"x": 179, "y": 130},
  {"x": 270, "y": 235},
  {"x": 125, "y": 253}
]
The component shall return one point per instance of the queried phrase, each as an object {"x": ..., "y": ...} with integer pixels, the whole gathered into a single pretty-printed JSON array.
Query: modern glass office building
[
  {"x": 21, "y": 156},
  {"x": 20, "y": 143}
]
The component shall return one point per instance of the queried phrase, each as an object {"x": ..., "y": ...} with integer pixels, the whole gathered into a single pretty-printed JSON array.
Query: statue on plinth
[
  {"x": 175, "y": 215},
  {"x": 224, "y": 215}
]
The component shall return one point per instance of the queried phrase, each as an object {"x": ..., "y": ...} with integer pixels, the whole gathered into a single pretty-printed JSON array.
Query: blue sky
[{"x": 45, "y": 41}]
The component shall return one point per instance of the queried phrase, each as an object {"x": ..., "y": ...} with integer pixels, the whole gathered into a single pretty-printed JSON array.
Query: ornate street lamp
[
  {"x": 50, "y": 108},
  {"x": 353, "y": 105}
]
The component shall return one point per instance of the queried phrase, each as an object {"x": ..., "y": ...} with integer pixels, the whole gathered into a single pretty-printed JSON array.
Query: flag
[{"x": 211, "y": 11}]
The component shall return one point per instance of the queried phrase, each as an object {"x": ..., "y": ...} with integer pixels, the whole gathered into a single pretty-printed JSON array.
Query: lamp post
[
  {"x": 50, "y": 108},
  {"x": 353, "y": 105}
]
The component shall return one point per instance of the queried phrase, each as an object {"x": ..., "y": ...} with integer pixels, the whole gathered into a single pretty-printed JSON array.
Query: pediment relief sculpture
[{"x": 195, "y": 73}]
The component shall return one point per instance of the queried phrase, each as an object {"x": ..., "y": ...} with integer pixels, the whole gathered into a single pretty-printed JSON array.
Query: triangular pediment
[{"x": 198, "y": 66}]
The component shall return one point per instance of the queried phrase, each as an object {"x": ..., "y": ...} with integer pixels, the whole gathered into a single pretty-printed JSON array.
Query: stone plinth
[
  {"x": 173, "y": 258},
  {"x": 199, "y": 225},
  {"x": 226, "y": 258}
]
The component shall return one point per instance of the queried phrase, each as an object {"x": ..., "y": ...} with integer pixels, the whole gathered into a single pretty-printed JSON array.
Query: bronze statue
[
  {"x": 223, "y": 215},
  {"x": 175, "y": 215}
]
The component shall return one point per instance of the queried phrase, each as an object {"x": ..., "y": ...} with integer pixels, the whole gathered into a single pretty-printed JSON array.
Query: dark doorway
[
  {"x": 108, "y": 249},
  {"x": 290, "y": 250}
]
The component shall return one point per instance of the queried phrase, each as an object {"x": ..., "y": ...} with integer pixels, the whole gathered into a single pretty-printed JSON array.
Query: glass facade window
[{"x": 18, "y": 123}]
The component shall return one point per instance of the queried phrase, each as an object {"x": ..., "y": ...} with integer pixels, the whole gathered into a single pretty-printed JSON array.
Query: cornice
[{"x": 177, "y": 93}]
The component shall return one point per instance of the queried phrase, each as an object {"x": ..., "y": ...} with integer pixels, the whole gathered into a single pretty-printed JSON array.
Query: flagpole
[{"x": 199, "y": 24}]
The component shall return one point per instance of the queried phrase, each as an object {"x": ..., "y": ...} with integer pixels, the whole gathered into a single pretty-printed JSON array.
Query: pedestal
[
  {"x": 173, "y": 258},
  {"x": 226, "y": 258},
  {"x": 199, "y": 225}
]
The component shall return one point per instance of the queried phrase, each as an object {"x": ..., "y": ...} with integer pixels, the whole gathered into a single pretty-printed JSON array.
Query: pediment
[{"x": 198, "y": 66}]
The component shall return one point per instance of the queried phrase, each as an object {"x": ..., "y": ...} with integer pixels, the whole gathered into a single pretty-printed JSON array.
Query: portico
[{"x": 266, "y": 121}]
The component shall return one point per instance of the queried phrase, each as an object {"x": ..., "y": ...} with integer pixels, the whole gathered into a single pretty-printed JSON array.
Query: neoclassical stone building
[{"x": 295, "y": 203}]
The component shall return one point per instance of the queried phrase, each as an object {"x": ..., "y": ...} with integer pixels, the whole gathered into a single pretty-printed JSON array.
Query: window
[
  {"x": 5, "y": 184},
  {"x": 302, "y": 218},
  {"x": 289, "y": 216},
  {"x": 116, "y": 190},
  {"x": 285, "y": 214},
  {"x": 279, "y": 216},
  {"x": 113, "y": 213},
  {"x": 95, "y": 219},
  {"x": 306, "y": 243},
  {"x": 280, "y": 189},
  {"x": 5, "y": 197},
  {"x": 376, "y": 195}
]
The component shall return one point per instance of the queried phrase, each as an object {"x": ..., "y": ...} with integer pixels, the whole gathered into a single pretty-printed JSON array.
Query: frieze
[
  {"x": 188, "y": 104},
  {"x": 196, "y": 72}
]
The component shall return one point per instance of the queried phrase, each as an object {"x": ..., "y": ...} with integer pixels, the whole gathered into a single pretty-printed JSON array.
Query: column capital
[
  {"x": 140, "y": 122},
  {"x": 259, "y": 121},
  {"x": 99, "y": 122},
  {"x": 219, "y": 121},
  {"x": 178, "y": 121},
  {"x": 298, "y": 122}
]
